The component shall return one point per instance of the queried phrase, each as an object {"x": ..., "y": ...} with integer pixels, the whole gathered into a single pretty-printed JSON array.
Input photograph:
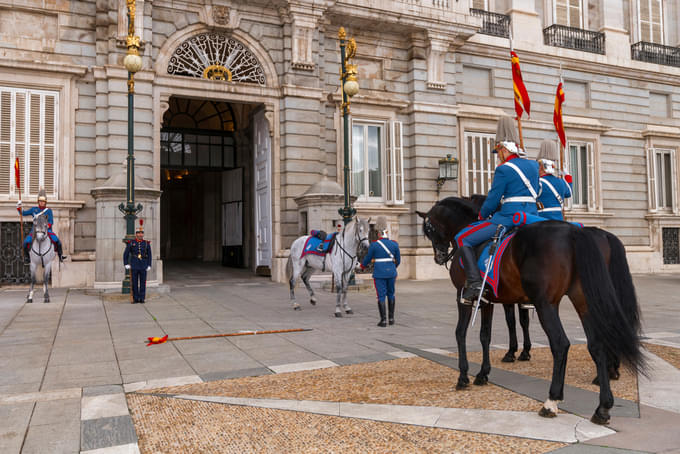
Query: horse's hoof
[
  {"x": 349, "y": 311},
  {"x": 297, "y": 308},
  {"x": 524, "y": 356},
  {"x": 338, "y": 315},
  {"x": 546, "y": 413},
  {"x": 481, "y": 380},
  {"x": 46, "y": 301},
  {"x": 461, "y": 386},
  {"x": 600, "y": 418},
  {"x": 312, "y": 302},
  {"x": 29, "y": 301},
  {"x": 508, "y": 358}
]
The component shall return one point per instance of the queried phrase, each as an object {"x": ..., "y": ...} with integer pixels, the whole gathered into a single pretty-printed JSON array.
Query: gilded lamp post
[
  {"x": 349, "y": 87},
  {"x": 133, "y": 63}
]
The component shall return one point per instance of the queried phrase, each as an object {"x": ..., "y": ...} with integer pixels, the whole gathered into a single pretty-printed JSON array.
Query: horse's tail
[{"x": 610, "y": 323}]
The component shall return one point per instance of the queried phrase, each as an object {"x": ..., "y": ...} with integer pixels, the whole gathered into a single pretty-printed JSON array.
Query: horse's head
[
  {"x": 444, "y": 220},
  {"x": 361, "y": 229},
  {"x": 40, "y": 227}
]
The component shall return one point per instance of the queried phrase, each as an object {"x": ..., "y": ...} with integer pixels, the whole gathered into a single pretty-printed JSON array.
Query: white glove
[
  {"x": 148, "y": 268},
  {"x": 127, "y": 267},
  {"x": 18, "y": 204}
]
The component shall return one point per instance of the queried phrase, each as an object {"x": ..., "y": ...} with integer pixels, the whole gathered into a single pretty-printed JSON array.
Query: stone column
[
  {"x": 525, "y": 23},
  {"x": 617, "y": 40},
  {"x": 109, "y": 271}
]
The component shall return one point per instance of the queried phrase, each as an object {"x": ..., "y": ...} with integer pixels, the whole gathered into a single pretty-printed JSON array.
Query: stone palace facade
[{"x": 238, "y": 136}]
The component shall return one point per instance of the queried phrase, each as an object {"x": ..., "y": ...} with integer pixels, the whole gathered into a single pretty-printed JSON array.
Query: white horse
[
  {"x": 42, "y": 254},
  {"x": 350, "y": 244}
]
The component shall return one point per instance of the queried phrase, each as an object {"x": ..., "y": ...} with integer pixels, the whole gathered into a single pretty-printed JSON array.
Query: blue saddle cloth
[
  {"x": 493, "y": 278},
  {"x": 313, "y": 242}
]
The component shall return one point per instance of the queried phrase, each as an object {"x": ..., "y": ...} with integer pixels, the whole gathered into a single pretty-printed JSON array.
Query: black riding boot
[
  {"x": 27, "y": 253},
  {"x": 60, "y": 252},
  {"x": 473, "y": 285},
  {"x": 390, "y": 311},
  {"x": 381, "y": 309}
]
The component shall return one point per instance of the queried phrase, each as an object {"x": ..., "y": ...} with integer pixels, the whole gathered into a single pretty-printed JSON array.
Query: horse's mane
[{"x": 468, "y": 206}]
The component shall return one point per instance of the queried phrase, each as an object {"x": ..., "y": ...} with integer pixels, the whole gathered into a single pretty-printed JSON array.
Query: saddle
[{"x": 314, "y": 245}]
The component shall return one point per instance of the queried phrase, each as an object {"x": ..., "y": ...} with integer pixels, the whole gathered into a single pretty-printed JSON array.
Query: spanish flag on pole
[
  {"x": 17, "y": 174},
  {"x": 557, "y": 115},
  {"x": 521, "y": 95}
]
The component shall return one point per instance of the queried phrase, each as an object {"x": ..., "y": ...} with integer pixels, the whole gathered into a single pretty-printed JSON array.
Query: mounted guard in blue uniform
[
  {"x": 137, "y": 259},
  {"x": 553, "y": 190},
  {"x": 515, "y": 189},
  {"x": 385, "y": 256},
  {"x": 41, "y": 209}
]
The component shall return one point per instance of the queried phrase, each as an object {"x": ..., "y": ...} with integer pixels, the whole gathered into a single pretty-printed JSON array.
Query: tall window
[
  {"x": 662, "y": 176},
  {"x": 568, "y": 12},
  {"x": 480, "y": 162},
  {"x": 28, "y": 131},
  {"x": 582, "y": 169},
  {"x": 650, "y": 21},
  {"x": 377, "y": 168}
]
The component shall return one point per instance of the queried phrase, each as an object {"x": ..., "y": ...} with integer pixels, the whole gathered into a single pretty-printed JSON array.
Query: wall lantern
[{"x": 448, "y": 170}]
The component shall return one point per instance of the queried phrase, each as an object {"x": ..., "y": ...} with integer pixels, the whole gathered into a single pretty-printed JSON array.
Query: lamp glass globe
[
  {"x": 351, "y": 87},
  {"x": 132, "y": 62}
]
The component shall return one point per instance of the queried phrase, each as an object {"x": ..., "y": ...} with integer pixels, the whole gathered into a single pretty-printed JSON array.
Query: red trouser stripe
[{"x": 470, "y": 232}]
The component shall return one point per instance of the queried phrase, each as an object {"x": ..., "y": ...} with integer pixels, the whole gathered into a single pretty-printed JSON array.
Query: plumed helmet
[
  {"x": 42, "y": 195},
  {"x": 505, "y": 130},
  {"x": 140, "y": 226},
  {"x": 381, "y": 225},
  {"x": 548, "y": 151}
]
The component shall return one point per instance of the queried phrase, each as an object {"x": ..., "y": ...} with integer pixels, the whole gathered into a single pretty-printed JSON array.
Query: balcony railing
[
  {"x": 493, "y": 23},
  {"x": 574, "y": 38},
  {"x": 656, "y": 53}
]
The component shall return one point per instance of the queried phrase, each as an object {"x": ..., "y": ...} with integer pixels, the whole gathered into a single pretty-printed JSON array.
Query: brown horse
[{"x": 543, "y": 262}]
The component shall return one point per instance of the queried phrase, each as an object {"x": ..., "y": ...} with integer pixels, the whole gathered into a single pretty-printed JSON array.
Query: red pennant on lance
[
  {"x": 557, "y": 115},
  {"x": 17, "y": 174},
  {"x": 521, "y": 95},
  {"x": 157, "y": 340}
]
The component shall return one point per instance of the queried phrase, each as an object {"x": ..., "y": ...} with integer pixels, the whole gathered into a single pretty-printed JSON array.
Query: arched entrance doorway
[{"x": 202, "y": 182}]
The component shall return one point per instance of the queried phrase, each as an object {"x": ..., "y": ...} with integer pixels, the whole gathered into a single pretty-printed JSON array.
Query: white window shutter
[
  {"x": 398, "y": 162},
  {"x": 560, "y": 12},
  {"x": 49, "y": 140},
  {"x": 6, "y": 161},
  {"x": 651, "y": 180},
  {"x": 389, "y": 166},
  {"x": 674, "y": 179},
  {"x": 592, "y": 205}
]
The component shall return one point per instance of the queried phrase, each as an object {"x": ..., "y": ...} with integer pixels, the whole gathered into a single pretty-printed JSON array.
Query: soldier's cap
[
  {"x": 511, "y": 147},
  {"x": 381, "y": 224},
  {"x": 140, "y": 227},
  {"x": 42, "y": 196},
  {"x": 548, "y": 151}
]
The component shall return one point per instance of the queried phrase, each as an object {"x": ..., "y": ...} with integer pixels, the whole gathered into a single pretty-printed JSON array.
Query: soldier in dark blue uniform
[
  {"x": 514, "y": 189},
  {"x": 553, "y": 190},
  {"x": 385, "y": 256},
  {"x": 137, "y": 259}
]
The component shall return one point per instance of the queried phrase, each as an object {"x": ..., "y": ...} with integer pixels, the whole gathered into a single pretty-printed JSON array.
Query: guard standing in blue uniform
[
  {"x": 553, "y": 190},
  {"x": 35, "y": 212},
  {"x": 515, "y": 189},
  {"x": 137, "y": 259},
  {"x": 384, "y": 253}
]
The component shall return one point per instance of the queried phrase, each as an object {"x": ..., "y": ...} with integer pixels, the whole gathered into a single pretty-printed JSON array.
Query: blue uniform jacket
[
  {"x": 138, "y": 254},
  {"x": 34, "y": 211},
  {"x": 548, "y": 199},
  {"x": 507, "y": 183},
  {"x": 384, "y": 267}
]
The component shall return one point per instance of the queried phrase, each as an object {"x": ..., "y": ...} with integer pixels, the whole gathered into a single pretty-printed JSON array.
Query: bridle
[
  {"x": 42, "y": 256},
  {"x": 430, "y": 231},
  {"x": 344, "y": 251}
]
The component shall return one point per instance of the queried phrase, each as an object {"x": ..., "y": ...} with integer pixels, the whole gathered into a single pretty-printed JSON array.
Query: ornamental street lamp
[
  {"x": 133, "y": 63},
  {"x": 349, "y": 87},
  {"x": 448, "y": 170}
]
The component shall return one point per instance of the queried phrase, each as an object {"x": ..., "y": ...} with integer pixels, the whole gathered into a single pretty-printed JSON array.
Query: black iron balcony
[
  {"x": 574, "y": 38},
  {"x": 493, "y": 24},
  {"x": 656, "y": 53}
]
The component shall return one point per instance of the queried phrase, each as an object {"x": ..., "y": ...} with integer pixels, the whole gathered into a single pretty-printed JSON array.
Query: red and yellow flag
[
  {"x": 521, "y": 95},
  {"x": 557, "y": 115},
  {"x": 17, "y": 174},
  {"x": 157, "y": 340}
]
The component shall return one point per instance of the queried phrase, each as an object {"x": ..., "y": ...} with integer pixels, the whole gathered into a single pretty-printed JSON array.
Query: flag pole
[
  {"x": 560, "y": 140},
  {"x": 17, "y": 177}
]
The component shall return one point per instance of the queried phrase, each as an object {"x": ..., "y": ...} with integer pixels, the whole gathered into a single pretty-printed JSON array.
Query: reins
[
  {"x": 42, "y": 256},
  {"x": 352, "y": 257}
]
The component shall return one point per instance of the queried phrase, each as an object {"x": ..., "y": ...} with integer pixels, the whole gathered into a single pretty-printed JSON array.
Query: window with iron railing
[
  {"x": 493, "y": 24},
  {"x": 656, "y": 53},
  {"x": 574, "y": 38}
]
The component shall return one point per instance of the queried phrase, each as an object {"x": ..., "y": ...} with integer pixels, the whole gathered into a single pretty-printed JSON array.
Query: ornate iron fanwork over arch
[{"x": 216, "y": 57}]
